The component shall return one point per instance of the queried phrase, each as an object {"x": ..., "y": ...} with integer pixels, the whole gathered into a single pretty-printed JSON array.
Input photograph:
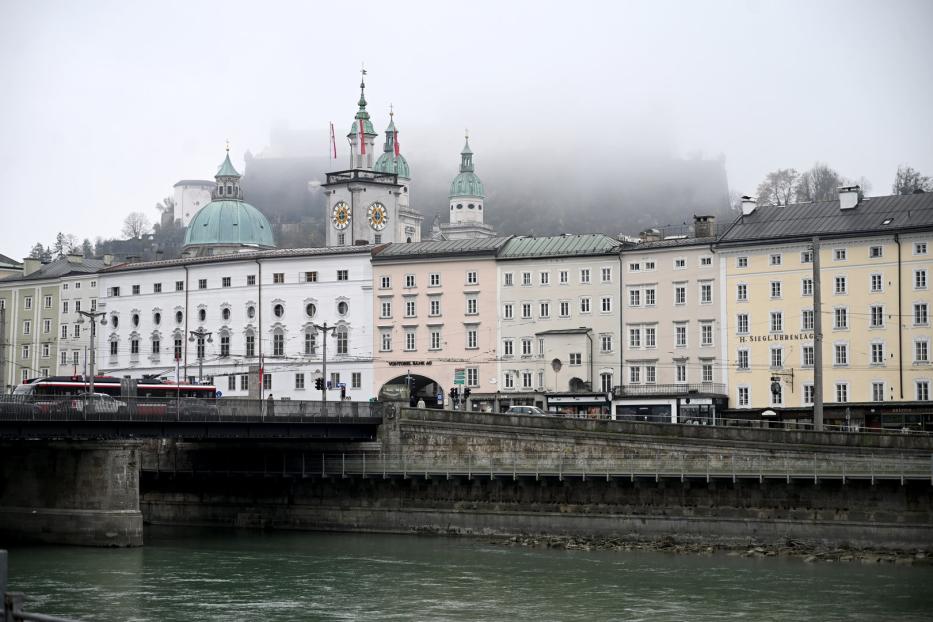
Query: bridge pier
[{"x": 70, "y": 492}]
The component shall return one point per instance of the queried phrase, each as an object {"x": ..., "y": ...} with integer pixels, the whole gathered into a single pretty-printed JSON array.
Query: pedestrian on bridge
[{"x": 270, "y": 410}]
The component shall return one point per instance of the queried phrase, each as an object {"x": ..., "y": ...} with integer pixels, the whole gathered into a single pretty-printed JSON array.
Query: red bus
[{"x": 154, "y": 396}]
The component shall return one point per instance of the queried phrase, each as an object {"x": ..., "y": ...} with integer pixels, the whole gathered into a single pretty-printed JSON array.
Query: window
[
  {"x": 202, "y": 283},
  {"x": 179, "y": 286},
  {"x": 507, "y": 311},
  {"x": 649, "y": 265},
  {"x": 93, "y": 304},
  {"x": 777, "y": 321},
  {"x": 681, "y": 375},
  {"x": 507, "y": 279},
  {"x": 775, "y": 259},
  {"x": 605, "y": 274},
  {"x": 680, "y": 263},
  {"x": 842, "y": 392},
  {"x": 278, "y": 277},
  {"x": 650, "y": 374},
  {"x": 634, "y": 338},
  {"x": 409, "y": 307},
  {"x": 509, "y": 380},
  {"x": 920, "y": 248},
  {"x": 649, "y": 297},
  {"x": 564, "y": 308},
  {"x": 251, "y": 312},
  {"x": 341, "y": 239},
  {"x": 777, "y": 357},
  {"x": 680, "y": 295},
  {"x": 299, "y": 381},
  {"x": 576, "y": 358},
  {"x": 177, "y": 349},
  {"x": 877, "y": 354},
  {"x": 841, "y": 354},
  {"x": 585, "y": 304},
  {"x": 545, "y": 310},
  {"x": 135, "y": 290},
  {"x": 409, "y": 280},
  {"x": 471, "y": 305},
  {"x": 634, "y": 375},
  {"x": 605, "y": 382},
  {"x": 650, "y": 337},
  {"x": 605, "y": 304},
  {"x": 634, "y": 267},
  {"x": 46, "y": 350},
  {"x": 526, "y": 346},
  {"x": 435, "y": 339},
  {"x": 385, "y": 282},
  {"x": 807, "y": 356},
  {"x": 27, "y": 302},
  {"x": 840, "y": 254},
  {"x": 386, "y": 341},
  {"x": 356, "y": 380},
  {"x": 921, "y": 351},
  {"x": 409, "y": 340},
  {"x": 741, "y": 360},
  {"x": 526, "y": 379},
  {"x": 76, "y": 331},
  {"x": 311, "y": 277},
  {"x": 876, "y": 251},
  {"x": 342, "y": 339},
  {"x": 344, "y": 275},
  {"x": 156, "y": 346},
  {"x": 250, "y": 279},
  {"x": 584, "y": 275},
  {"x": 471, "y": 278},
  {"x": 64, "y": 331},
  {"x": 806, "y": 319},
  {"x": 706, "y": 334},
  {"x": 64, "y": 358},
  {"x": 877, "y": 316},
  {"x": 841, "y": 285},
  {"x": 841, "y": 318},
  {"x": 544, "y": 278},
  {"x": 808, "y": 394},
  {"x": 680, "y": 335},
  {"x": 202, "y": 315},
  {"x": 775, "y": 289},
  {"x": 920, "y": 279},
  {"x": 526, "y": 310},
  {"x": 267, "y": 381},
  {"x": 806, "y": 257},
  {"x": 876, "y": 283},
  {"x": 27, "y": 327},
  {"x": 113, "y": 348},
  {"x": 707, "y": 372},
  {"x": 921, "y": 317},
  {"x": 741, "y": 292},
  {"x": 471, "y": 339},
  {"x": 25, "y": 352},
  {"x": 435, "y": 307},
  {"x": 741, "y": 262},
  {"x": 743, "y": 396},
  {"x": 508, "y": 347},
  {"x": 806, "y": 287},
  {"x": 923, "y": 390},
  {"x": 278, "y": 310},
  {"x": 434, "y": 279},
  {"x": 385, "y": 309},
  {"x": 225, "y": 282},
  {"x": 605, "y": 343},
  {"x": 706, "y": 293},
  {"x": 526, "y": 278},
  {"x": 706, "y": 261},
  {"x": 46, "y": 326},
  {"x": 634, "y": 298},
  {"x": 244, "y": 382}
]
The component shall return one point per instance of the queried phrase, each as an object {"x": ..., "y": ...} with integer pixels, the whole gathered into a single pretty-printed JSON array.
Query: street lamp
[
  {"x": 200, "y": 335},
  {"x": 93, "y": 315},
  {"x": 324, "y": 328}
]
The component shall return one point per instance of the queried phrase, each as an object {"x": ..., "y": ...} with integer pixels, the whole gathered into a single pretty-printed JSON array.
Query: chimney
[
  {"x": 849, "y": 196},
  {"x": 30, "y": 265},
  {"x": 108, "y": 260},
  {"x": 748, "y": 205},
  {"x": 132, "y": 259},
  {"x": 703, "y": 226},
  {"x": 75, "y": 258}
]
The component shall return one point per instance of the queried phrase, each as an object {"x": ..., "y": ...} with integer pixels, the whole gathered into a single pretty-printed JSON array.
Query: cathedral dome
[
  {"x": 229, "y": 222},
  {"x": 390, "y": 163},
  {"x": 467, "y": 184}
]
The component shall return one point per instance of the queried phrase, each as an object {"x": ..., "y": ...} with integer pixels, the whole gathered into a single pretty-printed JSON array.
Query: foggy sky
[{"x": 105, "y": 105}]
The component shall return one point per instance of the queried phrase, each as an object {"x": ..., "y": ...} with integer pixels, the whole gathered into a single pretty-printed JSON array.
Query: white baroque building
[{"x": 261, "y": 309}]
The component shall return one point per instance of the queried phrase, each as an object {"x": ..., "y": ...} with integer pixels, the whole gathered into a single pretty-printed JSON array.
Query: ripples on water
[{"x": 196, "y": 575}]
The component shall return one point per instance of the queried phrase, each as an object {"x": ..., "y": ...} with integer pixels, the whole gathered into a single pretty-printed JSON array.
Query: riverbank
[{"x": 805, "y": 551}]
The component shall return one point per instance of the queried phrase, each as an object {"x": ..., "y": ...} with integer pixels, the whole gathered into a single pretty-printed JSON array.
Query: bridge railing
[
  {"x": 82, "y": 408},
  {"x": 712, "y": 464}
]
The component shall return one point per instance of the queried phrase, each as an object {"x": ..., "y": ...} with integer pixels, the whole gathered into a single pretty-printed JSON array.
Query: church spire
[
  {"x": 466, "y": 156},
  {"x": 228, "y": 180}
]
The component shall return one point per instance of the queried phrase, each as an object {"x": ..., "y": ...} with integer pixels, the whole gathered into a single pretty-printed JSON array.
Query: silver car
[{"x": 525, "y": 410}]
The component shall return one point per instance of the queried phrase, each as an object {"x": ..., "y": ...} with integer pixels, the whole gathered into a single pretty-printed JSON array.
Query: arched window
[
  {"x": 342, "y": 335},
  {"x": 156, "y": 318},
  {"x": 310, "y": 342},
  {"x": 202, "y": 315},
  {"x": 135, "y": 319},
  {"x": 114, "y": 321},
  {"x": 225, "y": 313},
  {"x": 250, "y": 344},
  {"x": 179, "y": 317},
  {"x": 278, "y": 342}
]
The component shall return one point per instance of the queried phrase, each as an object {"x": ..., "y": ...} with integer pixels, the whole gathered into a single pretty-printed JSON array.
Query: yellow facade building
[{"x": 876, "y": 259}]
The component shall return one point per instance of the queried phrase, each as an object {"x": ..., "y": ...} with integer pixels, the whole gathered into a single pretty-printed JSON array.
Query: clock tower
[{"x": 368, "y": 203}]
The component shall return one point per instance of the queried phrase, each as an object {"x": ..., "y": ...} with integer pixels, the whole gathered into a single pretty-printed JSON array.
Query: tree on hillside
[
  {"x": 166, "y": 205},
  {"x": 40, "y": 252},
  {"x": 778, "y": 187},
  {"x": 86, "y": 249},
  {"x": 135, "y": 225},
  {"x": 819, "y": 183},
  {"x": 909, "y": 180}
]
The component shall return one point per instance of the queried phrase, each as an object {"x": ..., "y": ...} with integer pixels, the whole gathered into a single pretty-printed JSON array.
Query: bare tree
[
  {"x": 166, "y": 205},
  {"x": 778, "y": 187},
  {"x": 135, "y": 225},
  {"x": 819, "y": 183},
  {"x": 908, "y": 180}
]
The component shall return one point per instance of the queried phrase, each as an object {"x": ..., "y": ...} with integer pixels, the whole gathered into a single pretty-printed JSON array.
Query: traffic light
[
  {"x": 453, "y": 393},
  {"x": 319, "y": 384},
  {"x": 466, "y": 393}
]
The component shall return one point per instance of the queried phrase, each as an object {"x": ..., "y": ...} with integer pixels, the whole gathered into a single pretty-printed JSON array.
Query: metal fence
[{"x": 13, "y": 602}]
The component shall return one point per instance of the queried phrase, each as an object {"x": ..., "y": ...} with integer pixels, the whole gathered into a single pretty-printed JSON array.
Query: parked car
[
  {"x": 99, "y": 403},
  {"x": 525, "y": 410}
]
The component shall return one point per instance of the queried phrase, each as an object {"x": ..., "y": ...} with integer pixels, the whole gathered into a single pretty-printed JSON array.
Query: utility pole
[
  {"x": 817, "y": 339},
  {"x": 324, "y": 328},
  {"x": 200, "y": 334},
  {"x": 92, "y": 315}
]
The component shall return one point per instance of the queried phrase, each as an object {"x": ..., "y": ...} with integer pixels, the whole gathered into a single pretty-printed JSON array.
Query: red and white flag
[
  {"x": 362, "y": 139},
  {"x": 396, "y": 143},
  {"x": 333, "y": 142}
]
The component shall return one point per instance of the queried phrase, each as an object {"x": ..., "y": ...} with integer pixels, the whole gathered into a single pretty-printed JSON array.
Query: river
[{"x": 200, "y": 574}]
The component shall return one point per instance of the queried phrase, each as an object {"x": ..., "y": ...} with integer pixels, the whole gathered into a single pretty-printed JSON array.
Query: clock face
[
  {"x": 378, "y": 216},
  {"x": 341, "y": 215}
]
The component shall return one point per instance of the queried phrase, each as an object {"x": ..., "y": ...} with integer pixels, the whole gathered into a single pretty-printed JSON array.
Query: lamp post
[
  {"x": 324, "y": 328},
  {"x": 200, "y": 335},
  {"x": 93, "y": 315}
]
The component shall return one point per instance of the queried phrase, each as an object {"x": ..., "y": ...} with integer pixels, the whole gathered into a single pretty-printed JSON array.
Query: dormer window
[{"x": 230, "y": 190}]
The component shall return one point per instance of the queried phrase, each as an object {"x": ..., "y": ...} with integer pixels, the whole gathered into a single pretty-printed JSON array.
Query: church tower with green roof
[{"x": 467, "y": 202}]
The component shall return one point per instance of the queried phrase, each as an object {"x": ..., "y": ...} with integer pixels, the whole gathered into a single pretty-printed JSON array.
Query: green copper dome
[
  {"x": 388, "y": 163},
  {"x": 229, "y": 222},
  {"x": 467, "y": 183}
]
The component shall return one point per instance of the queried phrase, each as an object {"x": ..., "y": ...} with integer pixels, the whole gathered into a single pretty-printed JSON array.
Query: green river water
[{"x": 199, "y": 574}]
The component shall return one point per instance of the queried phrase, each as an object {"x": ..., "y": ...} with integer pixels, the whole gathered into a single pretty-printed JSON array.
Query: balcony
[
  {"x": 632, "y": 390},
  {"x": 340, "y": 177}
]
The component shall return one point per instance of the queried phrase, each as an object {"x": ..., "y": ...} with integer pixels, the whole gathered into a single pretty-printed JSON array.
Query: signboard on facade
[
  {"x": 408, "y": 363},
  {"x": 459, "y": 374},
  {"x": 776, "y": 337}
]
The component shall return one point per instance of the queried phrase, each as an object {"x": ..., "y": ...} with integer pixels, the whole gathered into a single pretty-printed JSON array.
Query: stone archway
[{"x": 422, "y": 388}]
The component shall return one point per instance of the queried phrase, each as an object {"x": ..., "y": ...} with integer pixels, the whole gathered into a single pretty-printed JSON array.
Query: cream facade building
[{"x": 876, "y": 258}]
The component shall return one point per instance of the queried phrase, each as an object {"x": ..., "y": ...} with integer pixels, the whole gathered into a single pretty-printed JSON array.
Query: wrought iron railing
[{"x": 669, "y": 389}]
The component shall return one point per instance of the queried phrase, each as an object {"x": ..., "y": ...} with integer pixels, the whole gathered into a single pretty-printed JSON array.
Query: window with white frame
[
  {"x": 649, "y": 297},
  {"x": 526, "y": 379},
  {"x": 605, "y": 304},
  {"x": 706, "y": 293},
  {"x": 922, "y": 390},
  {"x": 775, "y": 259},
  {"x": 544, "y": 309},
  {"x": 741, "y": 292},
  {"x": 634, "y": 374},
  {"x": 634, "y": 297},
  {"x": 920, "y": 279},
  {"x": 584, "y": 275},
  {"x": 507, "y": 279},
  {"x": 564, "y": 277},
  {"x": 651, "y": 337},
  {"x": 605, "y": 343},
  {"x": 680, "y": 294},
  {"x": 651, "y": 374},
  {"x": 922, "y": 351},
  {"x": 435, "y": 339},
  {"x": 841, "y": 354},
  {"x": 526, "y": 310},
  {"x": 385, "y": 282},
  {"x": 842, "y": 392},
  {"x": 806, "y": 319},
  {"x": 508, "y": 380},
  {"x": 409, "y": 281},
  {"x": 310, "y": 342},
  {"x": 777, "y": 357},
  {"x": 605, "y": 382},
  {"x": 777, "y": 321},
  {"x": 471, "y": 342},
  {"x": 706, "y": 260},
  {"x": 471, "y": 277},
  {"x": 806, "y": 257},
  {"x": 410, "y": 307},
  {"x": 64, "y": 331},
  {"x": 742, "y": 396},
  {"x": 472, "y": 376},
  {"x": 707, "y": 372},
  {"x": 808, "y": 394},
  {"x": 706, "y": 334},
  {"x": 409, "y": 340},
  {"x": 840, "y": 318},
  {"x": 874, "y": 252},
  {"x": 877, "y": 391},
  {"x": 741, "y": 262},
  {"x": 544, "y": 278},
  {"x": 299, "y": 381},
  {"x": 681, "y": 373},
  {"x": 921, "y": 314},
  {"x": 507, "y": 311},
  {"x": 385, "y": 309},
  {"x": 565, "y": 308},
  {"x": 634, "y": 338},
  {"x": 841, "y": 285},
  {"x": 840, "y": 254},
  {"x": 649, "y": 265},
  {"x": 526, "y": 278},
  {"x": 526, "y": 346},
  {"x": 876, "y": 283},
  {"x": 471, "y": 305},
  {"x": 806, "y": 286},
  {"x": 508, "y": 347},
  {"x": 741, "y": 323},
  {"x": 680, "y": 263},
  {"x": 876, "y": 316},
  {"x": 435, "y": 306},
  {"x": 920, "y": 248},
  {"x": 576, "y": 358},
  {"x": 634, "y": 267},
  {"x": 680, "y": 335},
  {"x": 386, "y": 341},
  {"x": 775, "y": 289},
  {"x": 585, "y": 304},
  {"x": 605, "y": 274},
  {"x": 877, "y": 353}
]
